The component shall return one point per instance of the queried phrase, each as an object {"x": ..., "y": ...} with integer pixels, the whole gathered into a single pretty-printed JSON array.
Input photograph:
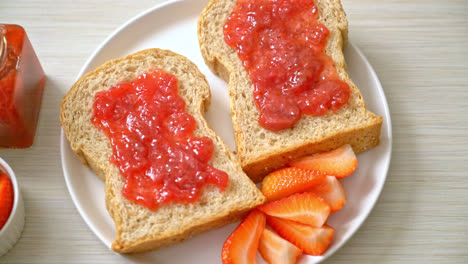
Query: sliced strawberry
[
  {"x": 6, "y": 199},
  {"x": 307, "y": 208},
  {"x": 284, "y": 182},
  {"x": 276, "y": 250},
  {"x": 313, "y": 240},
  {"x": 332, "y": 191},
  {"x": 340, "y": 162},
  {"x": 242, "y": 245}
]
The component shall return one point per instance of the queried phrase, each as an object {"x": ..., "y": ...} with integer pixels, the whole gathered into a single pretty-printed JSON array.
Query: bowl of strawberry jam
[
  {"x": 11, "y": 209},
  {"x": 22, "y": 82}
]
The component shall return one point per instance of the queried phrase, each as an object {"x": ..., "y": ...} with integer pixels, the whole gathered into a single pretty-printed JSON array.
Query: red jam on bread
[
  {"x": 153, "y": 143},
  {"x": 282, "y": 47}
]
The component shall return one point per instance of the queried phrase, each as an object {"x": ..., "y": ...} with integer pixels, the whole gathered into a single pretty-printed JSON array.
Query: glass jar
[{"x": 22, "y": 82}]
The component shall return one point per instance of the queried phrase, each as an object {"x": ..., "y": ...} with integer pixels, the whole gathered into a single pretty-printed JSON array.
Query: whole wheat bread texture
[
  {"x": 261, "y": 151},
  {"x": 139, "y": 229}
]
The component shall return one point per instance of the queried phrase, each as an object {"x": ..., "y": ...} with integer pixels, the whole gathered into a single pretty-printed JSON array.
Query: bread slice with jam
[
  {"x": 138, "y": 228},
  {"x": 260, "y": 150}
]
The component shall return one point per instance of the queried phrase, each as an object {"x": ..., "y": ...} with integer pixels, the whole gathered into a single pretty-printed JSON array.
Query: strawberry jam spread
[
  {"x": 153, "y": 143},
  {"x": 282, "y": 47}
]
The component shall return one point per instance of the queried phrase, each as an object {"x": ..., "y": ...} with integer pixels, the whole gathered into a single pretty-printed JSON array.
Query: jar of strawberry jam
[{"x": 21, "y": 84}]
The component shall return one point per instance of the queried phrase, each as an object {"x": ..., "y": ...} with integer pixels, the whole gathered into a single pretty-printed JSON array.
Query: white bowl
[{"x": 13, "y": 228}]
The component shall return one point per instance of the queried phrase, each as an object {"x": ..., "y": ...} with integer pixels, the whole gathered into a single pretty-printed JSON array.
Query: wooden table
[{"x": 419, "y": 50}]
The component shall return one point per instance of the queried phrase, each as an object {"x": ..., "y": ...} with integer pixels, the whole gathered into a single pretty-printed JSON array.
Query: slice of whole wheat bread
[
  {"x": 138, "y": 228},
  {"x": 260, "y": 151}
]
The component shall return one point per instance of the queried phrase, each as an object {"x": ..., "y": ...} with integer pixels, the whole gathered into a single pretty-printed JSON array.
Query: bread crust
[
  {"x": 139, "y": 229},
  {"x": 361, "y": 139},
  {"x": 262, "y": 154},
  {"x": 148, "y": 243}
]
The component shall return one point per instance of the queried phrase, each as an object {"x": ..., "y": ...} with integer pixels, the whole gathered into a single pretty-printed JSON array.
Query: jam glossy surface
[
  {"x": 282, "y": 47},
  {"x": 153, "y": 143},
  {"x": 21, "y": 85}
]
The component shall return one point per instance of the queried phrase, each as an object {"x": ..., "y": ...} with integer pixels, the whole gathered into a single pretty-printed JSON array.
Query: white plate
[{"x": 173, "y": 26}]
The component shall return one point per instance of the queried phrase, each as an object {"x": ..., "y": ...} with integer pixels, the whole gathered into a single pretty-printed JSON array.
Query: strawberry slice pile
[
  {"x": 6, "y": 199},
  {"x": 300, "y": 200}
]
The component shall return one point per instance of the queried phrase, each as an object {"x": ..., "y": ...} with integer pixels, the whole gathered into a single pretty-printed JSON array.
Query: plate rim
[{"x": 134, "y": 19}]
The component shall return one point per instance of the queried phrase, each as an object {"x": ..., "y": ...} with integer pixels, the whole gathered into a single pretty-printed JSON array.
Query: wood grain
[{"x": 418, "y": 49}]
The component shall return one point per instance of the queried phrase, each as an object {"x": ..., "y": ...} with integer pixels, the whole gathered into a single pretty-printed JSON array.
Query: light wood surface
[{"x": 419, "y": 50}]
